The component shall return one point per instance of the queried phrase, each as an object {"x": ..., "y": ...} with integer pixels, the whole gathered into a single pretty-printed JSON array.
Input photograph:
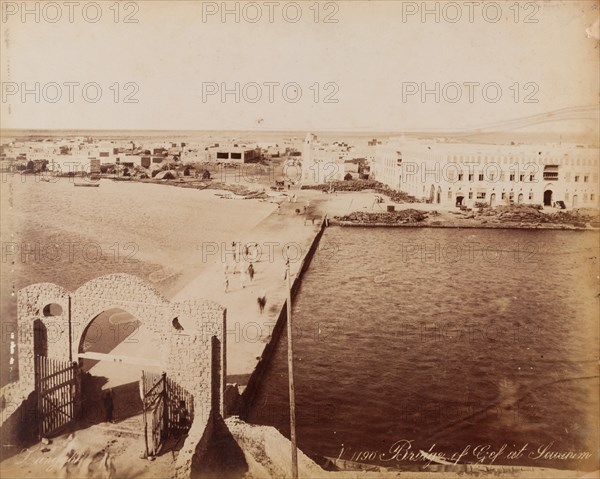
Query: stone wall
[
  {"x": 261, "y": 368},
  {"x": 190, "y": 334},
  {"x": 128, "y": 293},
  {"x": 197, "y": 361},
  {"x": 32, "y": 306}
]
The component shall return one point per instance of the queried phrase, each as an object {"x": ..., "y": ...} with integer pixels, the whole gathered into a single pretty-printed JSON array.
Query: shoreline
[
  {"x": 455, "y": 226},
  {"x": 248, "y": 395}
]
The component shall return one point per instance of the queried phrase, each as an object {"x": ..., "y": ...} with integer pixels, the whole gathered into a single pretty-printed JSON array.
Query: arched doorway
[
  {"x": 548, "y": 198},
  {"x": 431, "y": 194},
  {"x": 459, "y": 200},
  {"x": 575, "y": 201},
  {"x": 492, "y": 199},
  {"x": 112, "y": 355},
  {"x": 520, "y": 198}
]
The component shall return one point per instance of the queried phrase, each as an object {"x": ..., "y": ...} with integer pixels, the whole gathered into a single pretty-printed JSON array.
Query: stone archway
[
  {"x": 438, "y": 197},
  {"x": 548, "y": 197},
  {"x": 492, "y": 199},
  {"x": 431, "y": 194},
  {"x": 574, "y": 201},
  {"x": 123, "y": 292},
  {"x": 192, "y": 337},
  {"x": 107, "y": 331}
]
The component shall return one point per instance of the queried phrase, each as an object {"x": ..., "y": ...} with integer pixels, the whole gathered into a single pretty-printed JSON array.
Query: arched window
[{"x": 52, "y": 309}]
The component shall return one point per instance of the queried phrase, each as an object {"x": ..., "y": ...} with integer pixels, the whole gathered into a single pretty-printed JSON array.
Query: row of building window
[
  {"x": 498, "y": 160},
  {"x": 585, "y": 197},
  {"x": 492, "y": 177},
  {"x": 513, "y": 177},
  {"x": 509, "y": 160},
  {"x": 576, "y": 178},
  {"x": 511, "y": 195}
]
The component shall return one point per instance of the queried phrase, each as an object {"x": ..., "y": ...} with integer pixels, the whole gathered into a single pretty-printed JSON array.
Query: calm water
[{"x": 494, "y": 341}]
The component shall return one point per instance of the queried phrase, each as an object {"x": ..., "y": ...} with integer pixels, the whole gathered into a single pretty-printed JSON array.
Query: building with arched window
[{"x": 453, "y": 173}]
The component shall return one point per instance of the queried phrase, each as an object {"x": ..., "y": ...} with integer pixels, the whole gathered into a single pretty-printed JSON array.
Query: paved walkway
[{"x": 247, "y": 329}]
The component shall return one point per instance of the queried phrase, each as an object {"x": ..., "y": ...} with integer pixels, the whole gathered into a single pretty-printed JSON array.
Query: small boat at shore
[{"x": 87, "y": 183}]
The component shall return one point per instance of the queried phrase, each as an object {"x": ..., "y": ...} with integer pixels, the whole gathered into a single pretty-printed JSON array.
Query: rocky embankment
[
  {"x": 364, "y": 185},
  {"x": 513, "y": 216},
  {"x": 408, "y": 216},
  {"x": 534, "y": 215}
]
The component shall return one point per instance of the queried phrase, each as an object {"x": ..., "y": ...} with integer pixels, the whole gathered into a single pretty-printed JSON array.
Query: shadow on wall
[
  {"x": 222, "y": 457},
  {"x": 125, "y": 399},
  {"x": 20, "y": 430}
]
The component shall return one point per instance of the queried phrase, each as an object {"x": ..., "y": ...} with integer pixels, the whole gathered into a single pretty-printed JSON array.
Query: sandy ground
[{"x": 123, "y": 443}]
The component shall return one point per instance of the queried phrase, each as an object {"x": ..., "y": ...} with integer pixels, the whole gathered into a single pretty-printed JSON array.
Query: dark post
[{"x": 291, "y": 377}]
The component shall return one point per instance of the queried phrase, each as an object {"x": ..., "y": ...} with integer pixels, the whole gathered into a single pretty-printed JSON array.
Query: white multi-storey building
[
  {"x": 322, "y": 162},
  {"x": 452, "y": 173}
]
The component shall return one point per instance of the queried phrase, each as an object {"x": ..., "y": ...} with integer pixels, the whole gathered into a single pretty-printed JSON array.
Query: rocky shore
[
  {"x": 364, "y": 185},
  {"x": 513, "y": 216},
  {"x": 236, "y": 189}
]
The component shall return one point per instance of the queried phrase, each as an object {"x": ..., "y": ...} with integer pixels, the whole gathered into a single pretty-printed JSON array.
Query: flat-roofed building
[
  {"x": 234, "y": 154},
  {"x": 452, "y": 173}
]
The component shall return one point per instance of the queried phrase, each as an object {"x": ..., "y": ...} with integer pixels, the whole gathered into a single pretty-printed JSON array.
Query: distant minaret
[{"x": 307, "y": 159}]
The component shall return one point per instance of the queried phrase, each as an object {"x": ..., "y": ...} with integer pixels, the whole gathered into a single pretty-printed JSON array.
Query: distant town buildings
[
  {"x": 324, "y": 161},
  {"x": 74, "y": 155},
  {"x": 453, "y": 173},
  {"x": 441, "y": 171}
]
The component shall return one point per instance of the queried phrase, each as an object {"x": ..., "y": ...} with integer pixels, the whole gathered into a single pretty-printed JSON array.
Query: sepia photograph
[{"x": 301, "y": 239}]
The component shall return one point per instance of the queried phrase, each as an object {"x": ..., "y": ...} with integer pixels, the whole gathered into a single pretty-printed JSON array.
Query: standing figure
[
  {"x": 262, "y": 301},
  {"x": 226, "y": 283},
  {"x": 184, "y": 416},
  {"x": 251, "y": 271},
  {"x": 109, "y": 405}
]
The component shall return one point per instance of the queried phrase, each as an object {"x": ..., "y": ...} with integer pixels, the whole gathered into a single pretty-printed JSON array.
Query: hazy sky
[{"x": 374, "y": 61}]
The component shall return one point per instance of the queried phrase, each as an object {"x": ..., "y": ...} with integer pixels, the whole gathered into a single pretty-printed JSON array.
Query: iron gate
[
  {"x": 58, "y": 386},
  {"x": 168, "y": 410}
]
